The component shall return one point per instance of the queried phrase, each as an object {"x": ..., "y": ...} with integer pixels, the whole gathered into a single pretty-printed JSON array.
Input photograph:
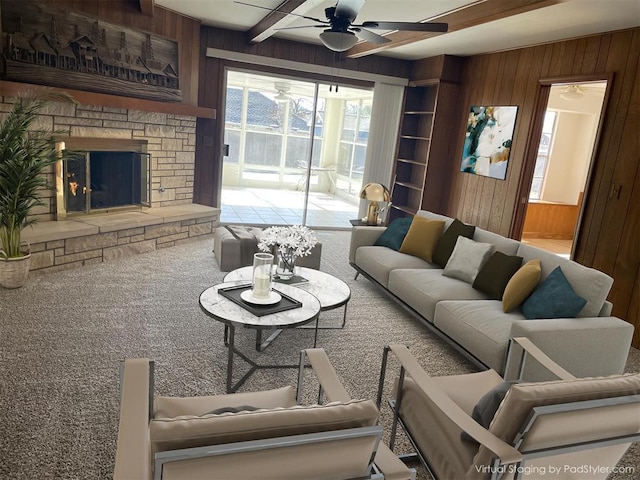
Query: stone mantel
[{"x": 14, "y": 89}]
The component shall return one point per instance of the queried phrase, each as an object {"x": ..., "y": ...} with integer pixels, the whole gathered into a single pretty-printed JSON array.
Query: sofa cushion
[
  {"x": 422, "y": 237},
  {"x": 466, "y": 260},
  {"x": 590, "y": 284},
  {"x": 493, "y": 277},
  {"x": 447, "y": 242},
  {"x": 423, "y": 289},
  {"x": 479, "y": 326},
  {"x": 554, "y": 298},
  {"x": 520, "y": 286},
  {"x": 394, "y": 234},
  {"x": 508, "y": 246},
  {"x": 379, "y": 261}
]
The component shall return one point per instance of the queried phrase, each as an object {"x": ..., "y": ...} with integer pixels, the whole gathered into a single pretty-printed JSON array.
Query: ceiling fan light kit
[
  {"x": 344, "y": 34},
  {"x": 338, "y": 41},
  {"x": 572, "y": 92}
]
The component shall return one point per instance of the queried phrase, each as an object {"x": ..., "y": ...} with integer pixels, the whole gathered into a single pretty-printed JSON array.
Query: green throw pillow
[
  {"x": 447, "y": 242},
  {"x": 492, "y": 279},
  {"x": 554, "y": 298},
  {"x": 394, "y": 235}
]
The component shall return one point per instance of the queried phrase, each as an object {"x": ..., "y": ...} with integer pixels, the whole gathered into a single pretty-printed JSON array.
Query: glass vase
[
  {"x": 261, "y": 278},
  {"x": 286, "y": 265}
]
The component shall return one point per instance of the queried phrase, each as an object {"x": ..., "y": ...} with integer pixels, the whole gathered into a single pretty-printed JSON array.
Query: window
[{"x": 544, "y": 151}]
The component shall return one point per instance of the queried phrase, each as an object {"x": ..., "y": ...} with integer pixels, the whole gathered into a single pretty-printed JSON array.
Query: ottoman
[{"x": 234, "y": 246}]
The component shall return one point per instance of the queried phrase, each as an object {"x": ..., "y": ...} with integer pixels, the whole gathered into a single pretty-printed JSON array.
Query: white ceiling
[{"x": 568, "y": 19}]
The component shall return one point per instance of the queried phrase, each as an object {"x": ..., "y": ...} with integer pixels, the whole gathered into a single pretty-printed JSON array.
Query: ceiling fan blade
[
  {"x": 326, "y": 25},
  {"x": 275, "y": 10},
  {"x": 349, "y": 8},
  {"x": 370, "y": 36},
  {"x": 407, "y": 26}
]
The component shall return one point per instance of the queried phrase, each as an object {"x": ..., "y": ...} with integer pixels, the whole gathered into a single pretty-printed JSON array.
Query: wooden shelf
[
  {"x": 412, "y": 162},
  {"x": 14, "y": 89},
  {"x": 404, "y": 208},
  {"x": 412, "y": 186},
  {"x": 411, "y": 137},
  {"x": 419, "y": 112}
]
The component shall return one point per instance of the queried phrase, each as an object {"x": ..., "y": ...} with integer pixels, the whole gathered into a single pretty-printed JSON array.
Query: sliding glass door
[{"x": 295, "y": 151}]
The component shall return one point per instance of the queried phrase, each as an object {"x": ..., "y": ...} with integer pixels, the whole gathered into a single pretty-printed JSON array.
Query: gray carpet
[{"x": 63, "y": 335}]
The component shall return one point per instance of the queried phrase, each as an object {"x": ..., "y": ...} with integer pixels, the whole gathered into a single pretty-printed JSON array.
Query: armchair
[
  {"x": 568, "y": 428},
  {"x": 257, "y": 435}
]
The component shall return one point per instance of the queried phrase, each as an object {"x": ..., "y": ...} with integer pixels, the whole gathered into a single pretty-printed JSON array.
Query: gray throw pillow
[
  {"x": 467, "y": 259},
  {"x": 487, "y": 406}
]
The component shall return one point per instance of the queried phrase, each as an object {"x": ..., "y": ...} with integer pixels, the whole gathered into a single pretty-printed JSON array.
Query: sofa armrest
[
  {"x": 363, "y": 236},
  {"x": 133, "y": 454},
  {"x": 527, "y": 348},
  {"x": 586, "y": 347}
]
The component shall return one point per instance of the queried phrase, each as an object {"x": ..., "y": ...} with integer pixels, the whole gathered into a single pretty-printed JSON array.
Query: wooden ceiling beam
[
  {"x": 265, "y": 27},
  {"x": 146, "y": 7},
  {"x": 465, "y": 17}
]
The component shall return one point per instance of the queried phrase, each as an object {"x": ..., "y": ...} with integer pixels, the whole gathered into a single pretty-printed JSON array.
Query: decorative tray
[
  {"x": 233, "y": 293},
  {"x": 295, "y": 280}
]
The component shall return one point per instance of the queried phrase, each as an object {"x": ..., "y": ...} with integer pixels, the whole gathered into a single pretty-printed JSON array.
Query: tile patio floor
[{"x": 264, "y": 207}]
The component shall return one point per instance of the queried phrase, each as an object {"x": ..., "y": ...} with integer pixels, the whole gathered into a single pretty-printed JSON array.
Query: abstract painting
[{"x": 487, "y": 142}]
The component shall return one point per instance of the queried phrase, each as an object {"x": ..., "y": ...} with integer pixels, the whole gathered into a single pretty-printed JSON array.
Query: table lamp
[{"x": 374, "y": 193}]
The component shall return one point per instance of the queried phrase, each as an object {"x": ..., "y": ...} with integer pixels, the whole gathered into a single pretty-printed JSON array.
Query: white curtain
[{"x": 383, "y": 136}]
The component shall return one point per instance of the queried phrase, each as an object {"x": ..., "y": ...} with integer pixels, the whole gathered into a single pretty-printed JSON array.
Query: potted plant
[{"x": 25, "y": 154}]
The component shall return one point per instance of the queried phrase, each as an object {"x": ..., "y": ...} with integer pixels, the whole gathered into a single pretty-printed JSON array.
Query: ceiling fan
[{"x": 341, "y": 33}]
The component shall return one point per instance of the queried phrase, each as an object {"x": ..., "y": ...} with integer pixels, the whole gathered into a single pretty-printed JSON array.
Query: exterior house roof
[{"x": 262, "y": 113}]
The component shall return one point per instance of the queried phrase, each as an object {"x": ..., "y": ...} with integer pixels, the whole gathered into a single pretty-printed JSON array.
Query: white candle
[{"x": 261, "y": 285}]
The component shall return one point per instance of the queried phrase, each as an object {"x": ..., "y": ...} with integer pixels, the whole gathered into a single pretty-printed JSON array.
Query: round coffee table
[
  {"x": 231, "y": 314},
  {"x": 331, "y": 291}
]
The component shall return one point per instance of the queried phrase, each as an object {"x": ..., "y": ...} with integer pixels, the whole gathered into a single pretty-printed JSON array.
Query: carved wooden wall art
[{"x": 46, "y": 45}]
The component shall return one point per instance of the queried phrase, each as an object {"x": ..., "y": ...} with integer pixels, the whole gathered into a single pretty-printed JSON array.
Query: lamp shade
[
  {"x": 375, "y": 192},
  {"x": 338, "y": 41}
]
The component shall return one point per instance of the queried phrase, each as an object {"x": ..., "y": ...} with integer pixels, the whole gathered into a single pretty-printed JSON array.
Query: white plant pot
[{"x": 13, "y": 271}]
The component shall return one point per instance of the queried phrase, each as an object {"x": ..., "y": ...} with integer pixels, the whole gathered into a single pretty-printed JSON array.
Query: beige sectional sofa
[{"x": 592, "y": 344}]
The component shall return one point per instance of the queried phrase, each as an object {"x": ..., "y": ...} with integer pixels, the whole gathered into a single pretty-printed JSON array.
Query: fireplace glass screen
[{"x": 103, "y": 180}]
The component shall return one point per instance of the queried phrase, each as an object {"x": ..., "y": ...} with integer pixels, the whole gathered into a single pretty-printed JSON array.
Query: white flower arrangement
[{"x": 296, "y": 240}]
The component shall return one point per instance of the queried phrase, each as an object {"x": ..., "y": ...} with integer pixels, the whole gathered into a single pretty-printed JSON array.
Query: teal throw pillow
[
  {"x": 554, "y": 298},
  {"x": 394, "y": 235}
]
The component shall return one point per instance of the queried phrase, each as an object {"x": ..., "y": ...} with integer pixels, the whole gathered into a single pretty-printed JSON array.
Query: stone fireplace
[
  {"x": 133, "y": 186},
  {"x": 169, "y": 139}
]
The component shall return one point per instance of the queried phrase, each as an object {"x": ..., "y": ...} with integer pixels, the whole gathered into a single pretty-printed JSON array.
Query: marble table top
[
  {"x": 331, "y": 291},
  {"x": 223, "y": 309}
]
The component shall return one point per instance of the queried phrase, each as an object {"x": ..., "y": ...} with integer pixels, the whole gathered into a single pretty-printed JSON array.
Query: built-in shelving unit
[{"x": 414, "y": 143}]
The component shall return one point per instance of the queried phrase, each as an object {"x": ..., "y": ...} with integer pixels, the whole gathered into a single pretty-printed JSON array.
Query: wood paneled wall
[
  {"x": 609, "y": 231},
  {"x": 185, "y": 30}
]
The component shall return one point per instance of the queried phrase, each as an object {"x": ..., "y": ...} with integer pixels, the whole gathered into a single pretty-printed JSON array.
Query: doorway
[
  {"x": 564, "y": 153},
  {"x": 295, "y": 151}
]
